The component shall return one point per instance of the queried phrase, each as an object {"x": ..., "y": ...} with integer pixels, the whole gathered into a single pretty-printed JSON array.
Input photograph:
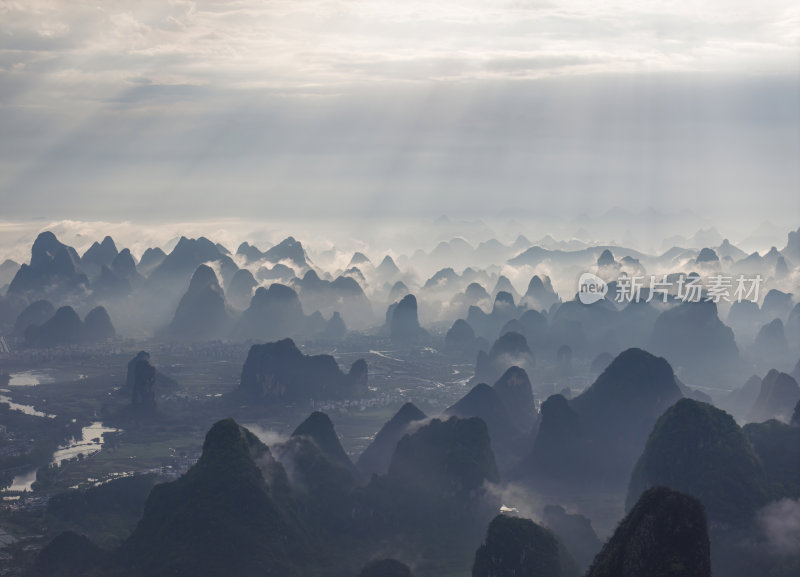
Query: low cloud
[{"x": 780, "y": 522}]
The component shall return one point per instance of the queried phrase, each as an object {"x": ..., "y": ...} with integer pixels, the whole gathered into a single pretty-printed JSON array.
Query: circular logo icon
[{"x": 591, "y": 288}]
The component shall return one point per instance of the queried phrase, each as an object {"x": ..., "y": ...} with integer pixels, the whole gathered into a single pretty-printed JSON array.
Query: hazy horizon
[
  {"x": 395, "y": 237},
  {"x": 198, "y": 110}
]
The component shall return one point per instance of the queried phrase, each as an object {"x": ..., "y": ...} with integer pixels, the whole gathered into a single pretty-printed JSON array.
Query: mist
[{"x": 505, "y": 288}]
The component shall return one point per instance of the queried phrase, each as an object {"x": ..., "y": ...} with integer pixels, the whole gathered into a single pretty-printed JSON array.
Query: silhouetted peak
[
  {"x": 536, "y": 284},
  {"x": 45, "y": 248},
  {"x": 777, "y": 303},
  {"x": 279, "y": 370},
  {"x": 504, "y": 300},
  {"x": 182, "y": 244},
  {"x": 638, "y": 364},
  {"x": 778, "y": 395},
  {"x": 792, "y": 248},
  {"x": 287, "y": 249},
  {"x": 227, "y": 441},
  {"x": 666, "y": 533},
  {"x": 700, "y": 450},
  {"x": 201, "y": 312},
  {"x": 195, "y": 246},
  {"x": 358, "y": 371},
  {"x": 707, "y": 255},
  {"x": 476, "y": 291},
  {"x": 335, "y": 327},
  {"x": 97, "y": 325},
  {"x": 319, "y": 428},
  {"x": 249, "y": 252},
  {"x": 376, "y": 457},
  {"x": 692, "y": 336},
  {"x": 485, "y": 403},
  {"x": 772, "y": 333},
  {"x": 240, "y": 289},
  {"x": 66, "y": 315},
  {"x": 461, "y": 333},
  {"x": 441, "y": 278},
  {"x": 452, "y": 457},
  {"x": 510, "y": 343},
  {"x": 515, "y": 547},
  {"x": 633, "y": 374},
  {"x": 218, "y": 518},
  {"x": 124, "y": 264},
  {"x": 479, "y": 397},
  {"x": 408, "y": 413},
  {"x": 204, "y": 276},
  {"x": 388, "y": 266},
  {"x": 8, "y": 263},
  {"x": 151, "y": 258},
  {"x": 141, "y": 379},
  {"x": 606, "y": 258},
  {"x": 357, "y": 259},
  {"x": 101, "y": 253},
  {"x": 275, "y": 293},
  {"x": 503, "y": 284},
  {"x": 63, "y": 328},
  {"x": 347, "y": 285},
  {"x": 37, "y": 313},
  {"x": 556, "y": 407},
  {"x": 404, "y": 322},
  {"x": 398, "y": 291},
  {"x": 515, "y": 390},
  {"x": 53, "y": 268},
  {"x": 514, "y": 378},
  {"x": 183, "y": 261},
  {"x": 69, "y": 554},
  {"x": 311, "y": 277}
]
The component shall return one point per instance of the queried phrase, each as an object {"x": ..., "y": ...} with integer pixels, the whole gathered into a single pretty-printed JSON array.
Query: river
[{"x": 90, "y": 442}]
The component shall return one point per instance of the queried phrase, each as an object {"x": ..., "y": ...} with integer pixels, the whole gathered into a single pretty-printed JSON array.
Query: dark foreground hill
[
  {"x": 595, "y": 439},
  {"x": 700, "y": 450},
  {"x": 297, "y": 509},
  {"x": 664, "y": 535},
  {"x": 516, "y": 546}
]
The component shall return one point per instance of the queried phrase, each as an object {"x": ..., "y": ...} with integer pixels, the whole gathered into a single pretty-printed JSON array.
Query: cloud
[
  {"x": 151, "y": 108},
  {"x": 267, "y": 436},
  {"x": 528, "y": 505},
  {"x": 321, "y": 42},
  {"x": 780, "y": 522}
]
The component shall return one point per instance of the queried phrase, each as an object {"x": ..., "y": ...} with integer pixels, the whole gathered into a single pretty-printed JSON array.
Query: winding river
[{"x": 90, "y": 442}]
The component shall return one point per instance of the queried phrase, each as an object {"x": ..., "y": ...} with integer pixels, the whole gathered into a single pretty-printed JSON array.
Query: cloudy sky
[{"x": 179, "y": 109}]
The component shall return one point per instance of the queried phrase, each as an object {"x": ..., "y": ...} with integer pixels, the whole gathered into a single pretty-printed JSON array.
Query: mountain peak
[
  {"x": 666, "y": 533},
  {"x": 319, "y": 428},
  {"x": 517, "y": 546}
]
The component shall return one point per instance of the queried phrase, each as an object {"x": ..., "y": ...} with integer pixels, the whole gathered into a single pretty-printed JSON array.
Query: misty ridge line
[
  {"x": 437, "y": 276},
  {"x": 459, "y": 290},
  {"x": 566, "y": 399},
  {"x": 650, "y": 231}
]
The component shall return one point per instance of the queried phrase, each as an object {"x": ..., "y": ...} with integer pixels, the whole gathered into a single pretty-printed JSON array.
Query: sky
[{"x": 175, "y": 110}]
